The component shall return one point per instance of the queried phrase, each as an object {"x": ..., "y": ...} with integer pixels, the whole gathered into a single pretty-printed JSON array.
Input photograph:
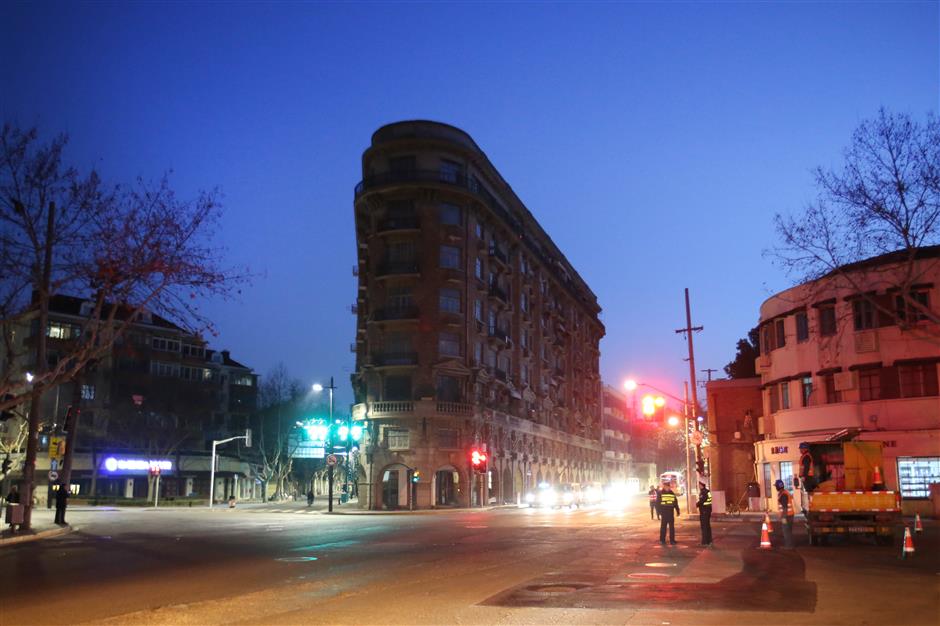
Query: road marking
[
  {"x": 660, "y": 564},
  {"x": 647, "y": 575}
]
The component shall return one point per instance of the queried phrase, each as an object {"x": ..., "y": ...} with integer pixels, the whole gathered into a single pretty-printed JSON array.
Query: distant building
[
  {"x": 159, "y": 395},
  {"x": 734, "y": 409},
  {"x": 473, "y": 330},
  {"x": 616, "y": 436},
  {"x": 846, "y": 353}
]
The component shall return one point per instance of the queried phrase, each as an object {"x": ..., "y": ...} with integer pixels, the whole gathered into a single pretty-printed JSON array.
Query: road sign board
[
  {"x": 331, "y": 459},
  {"x": 54, "y": 464},
  {"x": 53, "y": 475}
]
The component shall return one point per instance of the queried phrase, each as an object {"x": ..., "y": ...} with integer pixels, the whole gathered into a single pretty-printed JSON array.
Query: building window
[
  {"x": 785, "y": 395},
  {"x": 448, "y": 388},
  {"x": 398, "y": 439},
  {"x": 88, "y": 392},
  {"x": 243, "y": 380},
  {"x": 768, "y": 481},
  {"x": 397, "y": 388},
  {"x": 524, "y": 339},
  {"x": 781, "y": 333},
  {"x": 401, "y": 252},
  {"x": 806, "y": 389},
  {"x": 448, "y": 344},
  {"x": 479, "y": 229},
  {"x": 450, "y": 257},
  {"x": 449, "y": 300},
  {"x": 450, "y": 214},
  {"x": 802, "y": 327},
  {"x": 863, "y": 314},
  {"x": 400, "y": 297},
  {"x": 833, "y": 395},
  {"x": 478, "y": 268},
  {"x": 827, "y": 320},
  {"x": 869, "y": 384},
  {"x": 61, "y": 330},
  {"x": 525, "y": 374},
  {"x": 908, "y": 312},
  {"x": 451, "y": 172},
  {"x": 478, "y": 353},
  {"x": 766, "y": 339},
  {"x": 165, "y": 345},
  {"x": 198, "y": 352},
  {"x": 918, "y": 379},
  {"x": 916, "y": 474},
  {"x": 524, "y": 301},
  {"x": 164, "y": 370},
  {"x": 774, "y": 393},
  {"x": 448, "y": 438},
  {"x": 786, "y": 473}
]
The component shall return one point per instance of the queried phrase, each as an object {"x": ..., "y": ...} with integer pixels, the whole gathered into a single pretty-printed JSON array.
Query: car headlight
[{"x": 530, "y": 497}]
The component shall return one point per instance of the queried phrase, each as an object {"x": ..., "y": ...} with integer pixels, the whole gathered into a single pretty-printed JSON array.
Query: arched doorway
[
  {"x": 518, "y": 482},
  {"x": 394, "y": 487},
  {"x": 446, "y": 486},
  {"x": 509, "y": 494},
  {"x": 493, "y": 486}
]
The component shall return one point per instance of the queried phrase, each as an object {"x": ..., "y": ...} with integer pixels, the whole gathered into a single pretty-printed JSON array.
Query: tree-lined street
[{"x": 280, "y": 564}]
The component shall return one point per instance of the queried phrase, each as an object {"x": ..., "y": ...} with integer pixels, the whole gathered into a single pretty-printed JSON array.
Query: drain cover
[{"x": 659, "y": 564}]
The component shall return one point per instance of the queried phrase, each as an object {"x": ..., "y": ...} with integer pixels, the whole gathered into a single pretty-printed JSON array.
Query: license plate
[{"x": 861, "y": 529}]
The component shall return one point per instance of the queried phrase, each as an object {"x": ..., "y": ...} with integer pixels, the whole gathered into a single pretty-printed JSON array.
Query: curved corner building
[
  {"x": 473, "y": 332},
  {"x": 847, "y": 356}
]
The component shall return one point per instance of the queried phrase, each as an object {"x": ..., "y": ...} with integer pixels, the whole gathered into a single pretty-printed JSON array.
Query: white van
[{"x": 675, "y": 479}]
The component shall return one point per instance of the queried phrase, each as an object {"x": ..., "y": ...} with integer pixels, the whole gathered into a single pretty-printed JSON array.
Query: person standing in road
[
  {"x": 704, "y": 505},
  {"x": 654, "y": 497},
  {"x": 785, "y": 500},
  {"x": 310, "y": 497},
  {"x": 61, "y": 501},
  {"x": 667, "y": 503}
]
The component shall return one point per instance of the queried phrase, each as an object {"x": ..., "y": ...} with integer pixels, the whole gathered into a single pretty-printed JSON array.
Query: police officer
[
  {"x": 785, "y": 500},
  {"x": 654, "y": 496},
  {"x": 666, "y": 503},
  {"x": 704, "y": 505}
]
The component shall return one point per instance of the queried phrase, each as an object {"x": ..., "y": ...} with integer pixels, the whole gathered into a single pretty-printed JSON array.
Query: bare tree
[
  {"x": 884, "y": 200},
  {"x": 280, "y": 399},
  {"x": 124, "y": 249}
]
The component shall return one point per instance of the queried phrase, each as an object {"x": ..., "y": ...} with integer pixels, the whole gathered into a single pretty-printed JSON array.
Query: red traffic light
[{"x": 477, "y": 458}]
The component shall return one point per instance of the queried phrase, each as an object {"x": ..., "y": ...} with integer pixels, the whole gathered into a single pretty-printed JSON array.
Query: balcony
[
  {"x": 500, "y": 374},
  {"x": 499, "y": 255},
  {"x": 411, "y": 408},
  {"x": 499, "y": 334},
  {"x": 498, "y": 293},
  {"x": 391, "y": 359},
  {"x": 395, "y": 313},
  {"x": 397, "y": 268},
  {"x": 393, "y": 224}
]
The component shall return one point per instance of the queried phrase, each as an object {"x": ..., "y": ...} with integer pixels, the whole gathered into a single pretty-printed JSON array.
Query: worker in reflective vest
[
  {"x": 704, "y": 505},
  {"x": 785, "y": 500},
  {"x": 654, "y": 496},
  {"x": 807, "y": 468},
  {"x": 667, "y": 503}
]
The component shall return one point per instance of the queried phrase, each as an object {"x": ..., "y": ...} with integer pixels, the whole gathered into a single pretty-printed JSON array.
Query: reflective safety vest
[
  {"x": 708, "y": 499},
  {"x": 786, "y": 503},
  {"x": 653, "y": 496},
  {"x": 806, "y": 465}
]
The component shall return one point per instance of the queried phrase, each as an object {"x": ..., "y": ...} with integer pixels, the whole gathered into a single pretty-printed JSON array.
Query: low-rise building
[{"x": 734, "y": 408}]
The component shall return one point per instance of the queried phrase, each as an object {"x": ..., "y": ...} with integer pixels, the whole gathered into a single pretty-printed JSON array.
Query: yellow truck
[{"x": 851, "y": 497}]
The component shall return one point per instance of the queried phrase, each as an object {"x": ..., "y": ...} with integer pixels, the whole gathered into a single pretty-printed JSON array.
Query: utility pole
[
  {"x": 688, "y": 330},
  {"x": 708, "y": 371}
]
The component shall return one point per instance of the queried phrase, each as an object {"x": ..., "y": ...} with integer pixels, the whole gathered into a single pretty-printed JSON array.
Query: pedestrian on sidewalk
[
  {"x": 654, "y": 497},
  {"x": 61, "y": 502},
  {"x": 704, "y": 505},
  {"x": 666, "y": 504},
  {"x": 785, "y": 500},
  {"x": 310, "y": 497}
]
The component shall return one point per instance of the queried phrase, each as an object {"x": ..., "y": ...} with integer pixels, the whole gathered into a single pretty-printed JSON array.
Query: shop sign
[
  {"x": 779, "y": 449},
  {"x": 119, "y": 464}
]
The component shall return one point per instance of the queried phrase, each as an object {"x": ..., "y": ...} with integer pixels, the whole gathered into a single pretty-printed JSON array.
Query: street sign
[
  {"x": 331, "y": 459},
  {"x": 53, "y": 476},
  {"x": 54, "y": 464}
]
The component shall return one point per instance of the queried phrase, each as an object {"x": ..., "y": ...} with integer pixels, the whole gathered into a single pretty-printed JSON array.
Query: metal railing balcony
[
  {"x": 382, "y": 359},
  {"x": 499, "y": 255},
  {"x": 497, "y": 292},
  {"x": 391, "y": 268},
  {"x": 498, "y": 333},
  {"x": 395, "y": 313},
  {"x": 398, "y": 223}
]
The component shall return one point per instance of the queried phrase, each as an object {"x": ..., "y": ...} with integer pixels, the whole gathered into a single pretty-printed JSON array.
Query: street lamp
[{"x": 317, "y": 388}]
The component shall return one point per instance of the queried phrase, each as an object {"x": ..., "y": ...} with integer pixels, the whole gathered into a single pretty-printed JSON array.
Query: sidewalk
[{"x": 42, "y": 528}]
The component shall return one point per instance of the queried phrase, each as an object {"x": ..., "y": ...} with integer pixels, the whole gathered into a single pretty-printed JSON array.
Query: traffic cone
[
  {"x": 908, "y": 543},
  {"x": 770, "y": 527},
  {"x": 918, "y": 527},
  {"x": 876, "y": 480},
  {"x": 765, "y": 538}
]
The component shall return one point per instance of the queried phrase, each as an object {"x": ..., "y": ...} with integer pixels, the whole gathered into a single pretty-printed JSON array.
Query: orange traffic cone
[
  {"x": 765, "y": 538},
  {"x": 918, "y": 527},
  {"x": 770, "y": 527},
  {"x": 876, "y": 480},
  {"x": 908, "y": 543}
]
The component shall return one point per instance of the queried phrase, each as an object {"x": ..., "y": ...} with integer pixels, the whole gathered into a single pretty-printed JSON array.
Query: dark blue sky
[{"x": 654, "y": 142}]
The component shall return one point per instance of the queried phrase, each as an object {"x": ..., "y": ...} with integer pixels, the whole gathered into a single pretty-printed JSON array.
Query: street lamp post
[{"x": 317, "y": 388}]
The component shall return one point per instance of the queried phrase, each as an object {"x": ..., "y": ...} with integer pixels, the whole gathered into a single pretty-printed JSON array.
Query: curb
[
  {"x": 44, "y": 534},
  {"x": 419, "y": 511}
]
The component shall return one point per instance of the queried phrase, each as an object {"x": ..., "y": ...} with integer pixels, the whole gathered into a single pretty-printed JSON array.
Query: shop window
[
  {"x": 786, "y": 473},
  {"x": 802, "y": 327},
  {"x": 916, "y": 474}
]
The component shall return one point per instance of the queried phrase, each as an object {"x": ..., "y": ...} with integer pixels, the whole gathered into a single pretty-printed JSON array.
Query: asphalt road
[{"x": 284, "y": 565}]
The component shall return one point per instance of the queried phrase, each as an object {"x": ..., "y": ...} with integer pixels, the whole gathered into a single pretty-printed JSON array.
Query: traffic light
[
  {"x": 416, "y": 476},
  {"x": 478, "y": 461}
]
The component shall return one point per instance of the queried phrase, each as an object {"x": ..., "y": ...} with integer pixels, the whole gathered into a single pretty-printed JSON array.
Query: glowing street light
[
  {"x": 630, "y": 385},
  {"x": 317, "y": 387},
  {"x": 673, "y": 421}
]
